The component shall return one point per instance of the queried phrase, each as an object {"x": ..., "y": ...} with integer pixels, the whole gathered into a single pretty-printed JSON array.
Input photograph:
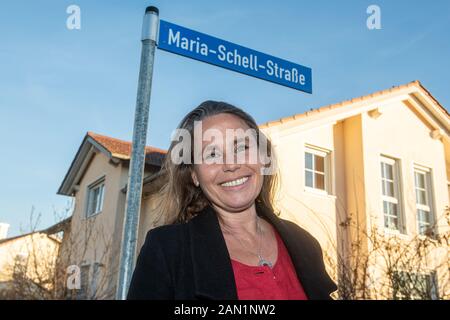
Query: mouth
[{"x": 235, "y": 183}]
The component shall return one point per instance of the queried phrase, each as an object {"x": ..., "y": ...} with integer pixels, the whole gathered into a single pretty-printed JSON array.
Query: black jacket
[{"x": 191, "y": 261}]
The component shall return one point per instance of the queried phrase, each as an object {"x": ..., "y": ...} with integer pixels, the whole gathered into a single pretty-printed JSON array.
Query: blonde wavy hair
[{"x": 178, "y": 199}]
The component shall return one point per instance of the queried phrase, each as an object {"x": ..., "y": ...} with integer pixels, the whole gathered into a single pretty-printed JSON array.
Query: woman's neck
[{"x": 242, "y": 222}]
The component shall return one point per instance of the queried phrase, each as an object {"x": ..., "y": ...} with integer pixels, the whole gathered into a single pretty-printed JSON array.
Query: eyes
[
  {"x": 212, "y": 154},
  {"x": 215, "y": 152},
  {"x": 240, "y": 148}
]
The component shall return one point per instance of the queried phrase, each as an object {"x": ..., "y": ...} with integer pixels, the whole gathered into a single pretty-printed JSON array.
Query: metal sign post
[{"x": 137, "y": 162}]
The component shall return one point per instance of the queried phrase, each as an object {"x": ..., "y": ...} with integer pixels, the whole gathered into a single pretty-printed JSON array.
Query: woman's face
[{"x": 231, "y": 185}]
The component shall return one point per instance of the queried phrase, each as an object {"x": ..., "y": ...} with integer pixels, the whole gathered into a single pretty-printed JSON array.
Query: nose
[{"x": 231, "y": 166}]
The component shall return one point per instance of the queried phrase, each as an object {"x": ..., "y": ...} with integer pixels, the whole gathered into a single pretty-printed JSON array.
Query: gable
[
  {"x": 115, "y": 150},
  {"x": 398, "y": 129},
  {"x": 413, "y": 96}
]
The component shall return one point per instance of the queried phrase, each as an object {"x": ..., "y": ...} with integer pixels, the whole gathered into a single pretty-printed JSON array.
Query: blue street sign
[{"x": 202, "y": 47}]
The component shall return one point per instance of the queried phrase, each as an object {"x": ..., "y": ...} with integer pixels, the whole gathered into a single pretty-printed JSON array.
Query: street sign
[{"x": 199, "y": 46}]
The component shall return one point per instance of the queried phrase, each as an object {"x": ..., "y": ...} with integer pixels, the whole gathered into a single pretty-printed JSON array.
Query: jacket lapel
[{"x": 213, "y": 272}]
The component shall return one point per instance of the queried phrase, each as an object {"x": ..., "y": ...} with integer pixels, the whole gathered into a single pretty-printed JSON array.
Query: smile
[{"x": 235, "y": 183}]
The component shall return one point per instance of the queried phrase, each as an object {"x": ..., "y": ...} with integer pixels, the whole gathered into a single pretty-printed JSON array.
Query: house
[
  {"x": 374, "y": 165},
  {"x": 97, "y": 180},
  {"x": 380, "y": 162},
  {"x": 28, "y": 263}
]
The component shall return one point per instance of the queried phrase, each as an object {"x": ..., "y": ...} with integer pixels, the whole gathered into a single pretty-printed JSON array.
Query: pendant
[{"x": 262, "y": 262}]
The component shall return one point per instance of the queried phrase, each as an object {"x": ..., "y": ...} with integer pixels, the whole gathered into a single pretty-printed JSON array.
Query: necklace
[{"x": 262, "y": 261}]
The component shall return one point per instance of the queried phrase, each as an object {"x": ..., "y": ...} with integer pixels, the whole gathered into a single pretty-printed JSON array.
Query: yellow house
[
  {"x": 361, "y": 176},
  {"x": 97, "y": 180},
  {"x": 28, "y": 263},
  {"x": 375, "y": 168}
]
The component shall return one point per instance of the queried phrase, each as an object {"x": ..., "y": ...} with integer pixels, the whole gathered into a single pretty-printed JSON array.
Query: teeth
[{"x": 234, "y": 183}]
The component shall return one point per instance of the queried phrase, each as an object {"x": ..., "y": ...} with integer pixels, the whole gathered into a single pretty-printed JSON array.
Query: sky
[{"x": 56, "y": 84}]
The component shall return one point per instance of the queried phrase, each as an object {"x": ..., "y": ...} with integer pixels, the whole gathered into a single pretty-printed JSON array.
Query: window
[
  {"x": 391, "y": 194},
  {"x": 425, "y": 215},
  {"x": 414, "y": 286},
  {"x": 95, "y": 198},
  {"x": 316, "y": 169},
  {"x": 96, "y": 274},
  {"x": 84, "y": 282}
]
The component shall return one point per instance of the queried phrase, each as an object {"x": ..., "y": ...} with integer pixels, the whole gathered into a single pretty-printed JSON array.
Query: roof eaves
[
  {"x": 64, "y": 187},
  {"x": 311, "y": 112}
]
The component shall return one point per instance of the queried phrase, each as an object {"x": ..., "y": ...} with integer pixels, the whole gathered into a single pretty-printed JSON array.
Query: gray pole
[{"x": 136, "y": 171}]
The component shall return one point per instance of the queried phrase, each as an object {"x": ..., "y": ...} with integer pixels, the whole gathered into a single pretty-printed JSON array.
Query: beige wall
[
  {"x": 103, "y": 222},
  {"x": 37, "y": 251},
  {"x": 147, "y": 217},
  {"x": 97, "y": 239}
]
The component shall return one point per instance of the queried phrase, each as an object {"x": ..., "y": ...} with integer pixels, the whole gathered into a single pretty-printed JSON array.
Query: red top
[{"x": 265, "y": 283}]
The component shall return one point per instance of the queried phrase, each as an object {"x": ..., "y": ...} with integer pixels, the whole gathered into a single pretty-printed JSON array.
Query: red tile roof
[{"x": 119, "y": 148}]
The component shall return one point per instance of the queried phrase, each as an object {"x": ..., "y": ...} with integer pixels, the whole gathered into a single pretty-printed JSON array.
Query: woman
[{"x": 221, "y": 238}]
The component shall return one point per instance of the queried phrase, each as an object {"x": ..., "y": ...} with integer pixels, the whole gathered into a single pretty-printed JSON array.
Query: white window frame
[
  {"x": 99, "y": 183},
  {"x": 325, "y": 154},
  {"x": 397, "y": 199},
  {"x": 428, "y": 194}
]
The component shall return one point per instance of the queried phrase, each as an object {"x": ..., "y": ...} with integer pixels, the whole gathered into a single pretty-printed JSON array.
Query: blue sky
[{"x": 56, "y": 83}]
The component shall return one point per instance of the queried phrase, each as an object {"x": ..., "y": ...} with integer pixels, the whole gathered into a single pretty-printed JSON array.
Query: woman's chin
[{"x": 236, "y": 206}]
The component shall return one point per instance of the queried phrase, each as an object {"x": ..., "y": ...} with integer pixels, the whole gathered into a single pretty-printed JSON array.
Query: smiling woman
[{"x": 221, "y": 238}]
